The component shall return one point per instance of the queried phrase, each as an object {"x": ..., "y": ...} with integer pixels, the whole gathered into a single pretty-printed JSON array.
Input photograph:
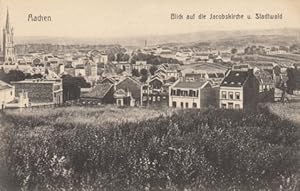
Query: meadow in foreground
[{"x": 209, "y": 149}]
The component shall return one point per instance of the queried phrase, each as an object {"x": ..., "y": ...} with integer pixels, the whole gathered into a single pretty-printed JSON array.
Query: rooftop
[
  {"x": 193, "y": 85},
  {"x": 235, "y": 79},
  {"x": 99, "y": 91}
]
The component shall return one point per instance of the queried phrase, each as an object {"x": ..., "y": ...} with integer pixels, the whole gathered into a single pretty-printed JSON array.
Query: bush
[{"x": 201, "y": 150}]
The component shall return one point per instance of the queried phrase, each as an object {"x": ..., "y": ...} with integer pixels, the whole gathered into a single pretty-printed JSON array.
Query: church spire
[{"x": 7, "y": 26}]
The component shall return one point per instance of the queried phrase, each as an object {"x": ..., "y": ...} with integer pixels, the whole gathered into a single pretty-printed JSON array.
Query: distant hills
[{"x": 217, "y": 38}]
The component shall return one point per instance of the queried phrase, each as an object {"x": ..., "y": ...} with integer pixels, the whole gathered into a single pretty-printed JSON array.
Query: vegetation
[
  {"x": 153, "y": 59},
  {"x": 117, "y": 149}
]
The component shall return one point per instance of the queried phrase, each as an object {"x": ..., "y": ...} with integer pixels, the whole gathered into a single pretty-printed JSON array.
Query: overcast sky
[{"x": 120, "y": 18}]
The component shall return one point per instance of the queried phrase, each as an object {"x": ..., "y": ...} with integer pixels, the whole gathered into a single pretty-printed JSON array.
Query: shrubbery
[{"x": 199, "y": 150}]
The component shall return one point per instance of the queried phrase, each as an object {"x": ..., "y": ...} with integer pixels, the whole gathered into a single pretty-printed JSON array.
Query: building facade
[
  {"x": 239, "y": 90},
  {"x": 41, "y": 91},
  {"x": 197, "y": 94}
]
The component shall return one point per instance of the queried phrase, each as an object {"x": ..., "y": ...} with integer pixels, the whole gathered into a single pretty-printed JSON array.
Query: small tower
[{"x": 8, "y": 42}]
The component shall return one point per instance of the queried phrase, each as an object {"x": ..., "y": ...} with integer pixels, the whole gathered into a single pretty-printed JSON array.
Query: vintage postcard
[{"x": 149, "y": 95}]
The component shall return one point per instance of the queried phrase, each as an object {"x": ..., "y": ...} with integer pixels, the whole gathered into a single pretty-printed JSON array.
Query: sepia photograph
[{"x": 160, "y": 95}]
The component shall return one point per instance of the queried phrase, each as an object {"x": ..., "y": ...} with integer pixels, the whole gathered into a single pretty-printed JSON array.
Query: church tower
[{"x": 8, "y": 42}]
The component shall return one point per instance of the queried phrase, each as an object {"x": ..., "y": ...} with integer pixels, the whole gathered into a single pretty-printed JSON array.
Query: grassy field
[
  {"x": 287, "y": 111},
  {"x": 78, "y": 148},
  {"x": 90, "y": 116}
]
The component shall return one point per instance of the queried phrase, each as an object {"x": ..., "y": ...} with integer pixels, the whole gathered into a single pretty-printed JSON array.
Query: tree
[
  {"x": 135, "y": 72},
  {"x": 12, "y": 75},
  {"x": 152, "y": 70},
  {"x": 234, "y": 51},
  {"x": 144, "y": 72},
  {"x": 144, "y": 78}
]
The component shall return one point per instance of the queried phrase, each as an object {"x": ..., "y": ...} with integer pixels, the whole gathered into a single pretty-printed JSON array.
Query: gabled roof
[
  {"x": 235, "y": 78},
  {"x": 4, "y": 85},
  {"x": 192, "y": 85},
  {"x": 155, "y": 78},
  {"x": 107, "y": 80},
  {"x": 99, "y": 91}
]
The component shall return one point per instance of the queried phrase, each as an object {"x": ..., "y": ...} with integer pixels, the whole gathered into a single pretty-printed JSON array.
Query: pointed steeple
[{"x": 7, "y": 26}]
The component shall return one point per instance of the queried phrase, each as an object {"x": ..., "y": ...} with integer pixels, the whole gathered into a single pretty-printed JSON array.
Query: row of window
[
  {"x": 190, "y": 93},
  {"x": 230, "y": 106},
  {"x": 154, "y": 98},
  {"x": 230, "y": 95},
  {"x": 174, "y": 104}
]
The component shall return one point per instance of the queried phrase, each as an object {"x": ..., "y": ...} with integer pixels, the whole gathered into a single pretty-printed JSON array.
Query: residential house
[
  {"x": 192, "y": 94},
  {"x": 100, "y": 94},
  {"x": 41, "y": 92},
  {"x": 80, "y": 70},
  {"x": 169, "y": 71},
  {"x": 293, "y": 82},
  {"x": 128, "y": 92},
  {"x": 239, "y": 90},
  {"x": 155, "y": 92},
  {"x": 139, "y": 65}
]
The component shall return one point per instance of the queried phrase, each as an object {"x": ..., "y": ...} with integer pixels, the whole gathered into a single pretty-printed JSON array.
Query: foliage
[
  {"x": 209, "y": 149},
  {"x": 152, "y": 69},
  {"x": 153, "y": 59},
  {"x": 144, "y": 72},
  {"x": 12, "y": 75},
  {"x": 135, "y": 72}
]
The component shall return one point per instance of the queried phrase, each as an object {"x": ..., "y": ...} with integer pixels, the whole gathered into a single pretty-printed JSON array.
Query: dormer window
[{"x": 237, "y": 74}]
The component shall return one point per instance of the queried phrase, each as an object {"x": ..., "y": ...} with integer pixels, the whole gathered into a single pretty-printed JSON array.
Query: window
[
  {"x": 186, "y": 105},
  {"x": 224, "y": 94},
  {"x": 194, "y": 105},
  {"x": 154, "y": 98},
  {"x": 173, "y": 92},
  {"x": 223, "y": 106},
  {"x": 237, "y": 95},
  {"x": 174, "y": 104},
  {"x": 158, "y": 98},
  {"x": 181, "y": 104},
  {"x": 230, "y": 95},
  {"x": 11, "y": 92},
  {"x": 230, "y": 105},
  {"x": 237, "y": 106}
]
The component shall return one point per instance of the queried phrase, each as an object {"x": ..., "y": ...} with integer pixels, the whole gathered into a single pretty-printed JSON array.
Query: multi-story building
[
  {"x": 41, "y": 91},
  {"x": 139, "y": 65},
  {"x": 192, "y": 94},
  {"x": 155, "y": 92},
  {"x": 128, "y": 92},
  {"x": 239, "y": 90}
]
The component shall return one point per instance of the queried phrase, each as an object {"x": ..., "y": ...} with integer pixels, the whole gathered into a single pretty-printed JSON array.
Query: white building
[
  {"x": 196, "y": 94},
  {"x": 7, "y": 94}
]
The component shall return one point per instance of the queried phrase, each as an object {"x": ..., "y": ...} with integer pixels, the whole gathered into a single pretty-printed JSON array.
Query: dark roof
[
  {"x": 212, "y": 75},
  {"x": 99, "y": 91},
  {"x": 130, "y": 85},
  {"x": 235, "y": 78},
  {"x": 193, "y": 85}
]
